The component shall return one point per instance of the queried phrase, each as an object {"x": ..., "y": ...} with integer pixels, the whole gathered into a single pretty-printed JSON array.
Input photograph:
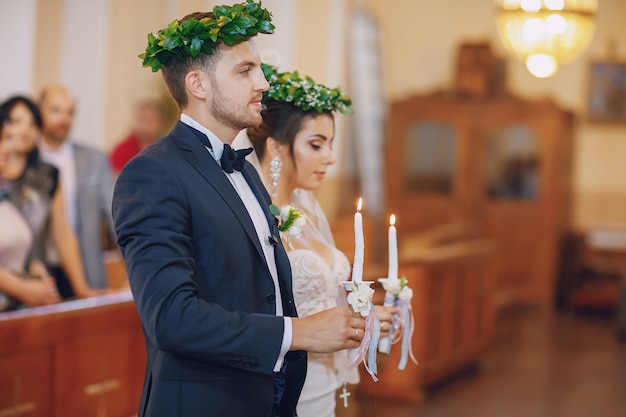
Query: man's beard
[
  {"x": 226, "y": 112},
  {"x": 57, "y": 135}
]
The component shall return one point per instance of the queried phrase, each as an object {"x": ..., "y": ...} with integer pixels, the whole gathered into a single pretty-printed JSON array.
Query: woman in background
[
  {"x": 36, "y": 192},
  {"x": 22, "y": 280},
  {"x": 294, "y": 148}
]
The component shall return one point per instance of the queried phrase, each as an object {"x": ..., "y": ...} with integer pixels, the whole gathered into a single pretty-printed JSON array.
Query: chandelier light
[{"x": 545, "y": 33}]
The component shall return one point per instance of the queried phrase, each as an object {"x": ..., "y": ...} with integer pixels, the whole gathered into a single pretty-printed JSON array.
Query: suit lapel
[
  {"x": 280, "y": 256},
  {"x": 192, "y": 141}
]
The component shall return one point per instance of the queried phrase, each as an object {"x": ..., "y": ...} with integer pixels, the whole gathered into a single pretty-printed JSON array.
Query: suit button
[{"x": 271, "y": 299}]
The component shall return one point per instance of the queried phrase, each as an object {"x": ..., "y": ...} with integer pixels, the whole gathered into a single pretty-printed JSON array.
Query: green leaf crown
[
  {"x": 192, "y": 37},
  {"x": 304, "y": 93}
]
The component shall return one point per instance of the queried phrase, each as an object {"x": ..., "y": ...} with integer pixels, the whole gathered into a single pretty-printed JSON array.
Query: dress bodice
[
  {"x": 16, "y": 238},
  {"x": 16, "y": 241},
  {"x": 316, "y": 284}
]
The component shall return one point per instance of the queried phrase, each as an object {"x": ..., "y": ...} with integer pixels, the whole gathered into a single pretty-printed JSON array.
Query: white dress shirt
[
  {"x": 257, "y": 215},
  {"x": 63, "y": 159}
]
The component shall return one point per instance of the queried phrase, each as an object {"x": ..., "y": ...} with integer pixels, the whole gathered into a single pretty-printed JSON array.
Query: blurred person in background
[
  {"x": 87, "y": 188},
  {"x": 33, "y": 188},
  {"x": 16, "y": 243},
  {"x": 147, "y": 128}
]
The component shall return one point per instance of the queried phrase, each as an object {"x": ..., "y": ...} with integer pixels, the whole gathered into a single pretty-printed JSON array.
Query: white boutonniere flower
[
  {"x": 291, "y": 220},
  {"x": 360, "y": 298}
]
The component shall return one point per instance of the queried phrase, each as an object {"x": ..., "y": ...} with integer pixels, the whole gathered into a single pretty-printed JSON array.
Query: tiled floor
[{"x": 540, "y": 365}]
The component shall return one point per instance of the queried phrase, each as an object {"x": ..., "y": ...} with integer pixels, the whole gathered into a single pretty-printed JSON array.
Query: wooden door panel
[{"x": 26, "y": 384}]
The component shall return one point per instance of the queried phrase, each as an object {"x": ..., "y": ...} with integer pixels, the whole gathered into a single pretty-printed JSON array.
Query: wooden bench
[{"x": 73, "y": 359}]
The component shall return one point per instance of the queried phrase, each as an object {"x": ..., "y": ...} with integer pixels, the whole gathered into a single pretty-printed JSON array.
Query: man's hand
[{"x": 328, "y": 331}]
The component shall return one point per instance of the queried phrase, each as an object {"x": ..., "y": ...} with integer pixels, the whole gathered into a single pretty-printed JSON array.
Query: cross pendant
[{"x": 344, "y": 396}]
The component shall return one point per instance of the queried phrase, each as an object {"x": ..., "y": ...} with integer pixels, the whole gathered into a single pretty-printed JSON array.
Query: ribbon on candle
[
  {"x": 366, "y": 352},
  {"x": 407, "y": 334}
]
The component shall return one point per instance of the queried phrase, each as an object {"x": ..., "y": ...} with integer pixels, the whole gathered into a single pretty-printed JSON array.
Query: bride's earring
[{"x": 276, "y": 165}]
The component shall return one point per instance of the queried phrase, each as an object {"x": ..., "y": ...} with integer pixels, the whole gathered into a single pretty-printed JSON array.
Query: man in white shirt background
[{"x": 87, "y": 181}]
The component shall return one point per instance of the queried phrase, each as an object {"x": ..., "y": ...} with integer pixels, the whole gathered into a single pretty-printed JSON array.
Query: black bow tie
[{"x": 233, "y": 159}]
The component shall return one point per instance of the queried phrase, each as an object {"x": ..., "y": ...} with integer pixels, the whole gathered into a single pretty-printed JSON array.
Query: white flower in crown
[
  {"x": 292, "y": 220},
  {"x": 360, "y": 298}
]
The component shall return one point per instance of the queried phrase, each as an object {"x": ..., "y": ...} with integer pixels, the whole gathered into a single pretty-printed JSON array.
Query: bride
[{"x": 294, "y": 150}]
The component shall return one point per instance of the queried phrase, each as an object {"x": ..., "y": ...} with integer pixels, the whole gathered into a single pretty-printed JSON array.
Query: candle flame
[
  {"x": 358, "y": 206},
  {"x": 392, "y": 220}
]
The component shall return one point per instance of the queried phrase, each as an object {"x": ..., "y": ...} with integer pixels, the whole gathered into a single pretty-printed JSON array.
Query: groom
[{"x": 212, "y": 289}]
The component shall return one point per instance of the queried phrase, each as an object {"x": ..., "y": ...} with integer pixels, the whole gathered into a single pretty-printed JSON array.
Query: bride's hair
[{"x": 281, "y": 121}]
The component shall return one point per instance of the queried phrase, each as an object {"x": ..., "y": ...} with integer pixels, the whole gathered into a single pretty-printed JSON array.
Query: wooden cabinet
[
  {"x": 501, "y": 163},
  {"x": 74, "y": 359}
]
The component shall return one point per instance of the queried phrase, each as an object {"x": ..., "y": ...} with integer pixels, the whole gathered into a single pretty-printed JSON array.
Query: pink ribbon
[{"x": 364, "y": 353}]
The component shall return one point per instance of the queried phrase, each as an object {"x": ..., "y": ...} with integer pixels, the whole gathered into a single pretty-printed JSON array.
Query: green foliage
[
  {"x": 304, "y": 93},
  {"x": 192, "y": 37},
  {"x": 274, "y": 210}
]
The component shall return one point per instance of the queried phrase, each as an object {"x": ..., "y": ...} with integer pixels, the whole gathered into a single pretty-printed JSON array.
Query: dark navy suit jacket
[{"x": 201, "y": 284}]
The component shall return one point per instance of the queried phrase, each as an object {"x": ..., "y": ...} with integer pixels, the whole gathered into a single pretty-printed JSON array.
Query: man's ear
[{"x": 196, "y": 84}]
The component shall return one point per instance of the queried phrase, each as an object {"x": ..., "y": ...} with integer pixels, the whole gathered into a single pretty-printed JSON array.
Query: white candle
[
  {"x": 359, "y": 245},
  {"x": 392, "y": 273}
]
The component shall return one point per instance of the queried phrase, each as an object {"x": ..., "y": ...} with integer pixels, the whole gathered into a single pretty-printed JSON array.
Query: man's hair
[
  {"x": 175, "y": 71},
  {"x": 196, "y": 38}
]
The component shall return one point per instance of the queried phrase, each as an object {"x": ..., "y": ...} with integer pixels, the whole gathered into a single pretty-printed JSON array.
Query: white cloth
[
  {"x": 63, "y": 159},
  {"x": 260, "y": 224}
]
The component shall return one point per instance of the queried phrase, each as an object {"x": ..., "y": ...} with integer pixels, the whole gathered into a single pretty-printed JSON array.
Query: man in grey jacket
[{"x": 88, "y": 184}]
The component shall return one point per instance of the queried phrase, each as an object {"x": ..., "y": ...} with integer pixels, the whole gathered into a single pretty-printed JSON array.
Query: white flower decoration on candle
[
  {"x": 360, "y": 298},
  {"x": 398, "y": 288},
  {"x": 393, "y": 286},
  {"x": 405, "y": 294}
]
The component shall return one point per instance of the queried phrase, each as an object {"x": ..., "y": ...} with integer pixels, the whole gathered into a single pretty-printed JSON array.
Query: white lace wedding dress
[{"x": 318, "y": 268}]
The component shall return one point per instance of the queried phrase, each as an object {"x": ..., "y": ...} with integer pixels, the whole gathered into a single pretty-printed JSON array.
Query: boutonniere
[{"x": 291, "y": 220}]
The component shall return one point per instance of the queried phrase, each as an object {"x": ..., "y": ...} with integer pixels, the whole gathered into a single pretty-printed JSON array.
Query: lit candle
[
  {"x": 392, "y": 273},
  {"x": 359, "y": 245}
]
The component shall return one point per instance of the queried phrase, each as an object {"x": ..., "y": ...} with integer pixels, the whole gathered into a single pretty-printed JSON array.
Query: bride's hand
[{"x": 385, "y": 316}]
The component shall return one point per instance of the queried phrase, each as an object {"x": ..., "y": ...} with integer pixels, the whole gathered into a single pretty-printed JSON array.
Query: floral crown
[
  {"x": 191, "y": 37},
  {"x": 304, "y": 93}
]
